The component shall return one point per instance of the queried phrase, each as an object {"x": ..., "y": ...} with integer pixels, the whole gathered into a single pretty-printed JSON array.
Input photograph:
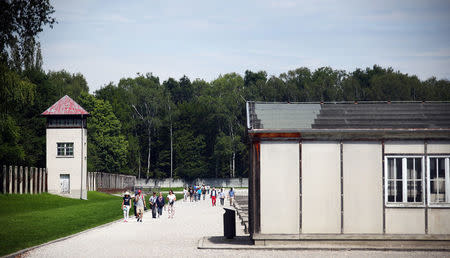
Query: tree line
[{"x": 179, "y": 128}]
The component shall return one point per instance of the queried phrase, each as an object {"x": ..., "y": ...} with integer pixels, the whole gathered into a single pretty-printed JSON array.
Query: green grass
[{"x": 28, "y": 220}]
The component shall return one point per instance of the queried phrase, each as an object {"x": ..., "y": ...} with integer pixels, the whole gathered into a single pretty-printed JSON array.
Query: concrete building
[
  {"x": 359, "y": 171},
  {"x": 67, "y": 148}
]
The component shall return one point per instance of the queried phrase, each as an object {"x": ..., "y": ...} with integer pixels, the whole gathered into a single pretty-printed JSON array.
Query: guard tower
[{"x": 66, "y": 148}]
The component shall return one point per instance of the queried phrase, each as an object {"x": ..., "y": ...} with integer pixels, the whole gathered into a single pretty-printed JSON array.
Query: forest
[{"x": 179, "y": 127}]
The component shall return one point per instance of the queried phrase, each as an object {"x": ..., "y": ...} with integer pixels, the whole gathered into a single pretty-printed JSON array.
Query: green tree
[{"x": 107, "y": 148}]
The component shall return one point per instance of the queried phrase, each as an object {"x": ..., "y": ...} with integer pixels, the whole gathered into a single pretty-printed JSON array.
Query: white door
[{"x": 64, "y": 181}]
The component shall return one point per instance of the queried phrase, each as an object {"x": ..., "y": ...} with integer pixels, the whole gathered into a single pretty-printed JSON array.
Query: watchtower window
[{"x": 65, "y": 149}]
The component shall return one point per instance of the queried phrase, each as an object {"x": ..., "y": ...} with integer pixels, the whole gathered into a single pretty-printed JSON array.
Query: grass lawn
[{"x": 28, "y": 220}]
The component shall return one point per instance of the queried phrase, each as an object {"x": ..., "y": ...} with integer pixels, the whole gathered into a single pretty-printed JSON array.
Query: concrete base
[
  {"x": 347, "y": 237},
  {"x": 73, "y": 194},
  {"x": 245, "y": 243}
]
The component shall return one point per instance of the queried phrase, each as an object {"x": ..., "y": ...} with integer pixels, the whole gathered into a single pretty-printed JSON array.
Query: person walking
[
  {"x": 231, "y": 195},
  {"x": 199, "y": 193},
  {"x": 204, "y": 192},
  {"x": 222, "y": 197},
  {"x": 171, "y": 198},
  {"x": 160, "y": 204},
  {"x": 140, "y": 204},
  {"x": 134, "y": 204},
  {"x": 185, "y": 193},
  {"x": 126, "y": 204},
  {"x": 152, "y": 201},
  {"x": 191, "y": 194},
  {"x": 213, "y": 196}
]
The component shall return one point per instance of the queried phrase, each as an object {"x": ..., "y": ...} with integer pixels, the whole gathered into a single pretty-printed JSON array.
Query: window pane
[
  {"x": 411, "y": 191},
  {"x": 391, "y": 191},
  {"x": 398, "y": 164},
  {"x": 441, "y": 168},
  {"x": 432, "y": 168},
  {"x": 410, "y": 168},
  {"x": 433, "y": 191},
  {"x": 390, "y": 168},
  {"x": 418, "y": 164},
  {"x": 418, "y": 191},
  {"x": 399, "y": 190}
]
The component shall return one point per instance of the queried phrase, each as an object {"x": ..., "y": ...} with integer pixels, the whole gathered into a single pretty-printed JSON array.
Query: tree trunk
[
  {"x": 149, "y": 148},
  {"x": 171, "y": 150}
]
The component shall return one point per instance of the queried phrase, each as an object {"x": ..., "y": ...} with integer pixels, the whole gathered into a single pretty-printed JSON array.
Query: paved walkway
[{"x": 178, "y": 237}]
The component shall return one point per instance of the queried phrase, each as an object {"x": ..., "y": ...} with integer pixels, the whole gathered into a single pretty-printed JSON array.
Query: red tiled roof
[{"x": 65, "y": 106}]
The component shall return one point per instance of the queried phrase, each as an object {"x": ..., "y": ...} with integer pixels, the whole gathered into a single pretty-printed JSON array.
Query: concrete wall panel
[
  {"x": 280, "y": 194},
  {"x": 363, "y": 188},
  {"x": 439, "y": 221},
  {"x": 409, "y": 147},
  {"x": 405, "y": 221},
  {"x": 321, "y": 201},
  {"x": 438, "y": 147}
]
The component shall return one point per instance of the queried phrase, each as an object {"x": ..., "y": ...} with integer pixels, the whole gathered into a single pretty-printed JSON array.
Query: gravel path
[{"x": 177, "y": 237}]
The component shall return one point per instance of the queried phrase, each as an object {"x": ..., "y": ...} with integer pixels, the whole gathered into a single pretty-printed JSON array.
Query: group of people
[
  {"x": 156, "y": 204},
  {"x": 195, "y": 193}
]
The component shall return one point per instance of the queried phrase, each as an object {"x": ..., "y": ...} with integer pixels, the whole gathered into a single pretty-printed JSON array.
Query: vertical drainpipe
[{"x": 82, "y": 143}]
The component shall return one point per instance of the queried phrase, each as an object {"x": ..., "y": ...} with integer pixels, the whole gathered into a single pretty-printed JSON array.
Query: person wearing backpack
[
  {"x": 140, "y": 204},
  {"x": 152, "y": 202}
]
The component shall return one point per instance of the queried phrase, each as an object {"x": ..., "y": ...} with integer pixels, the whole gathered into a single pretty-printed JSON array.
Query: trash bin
[{"x": 229, "y": 223}]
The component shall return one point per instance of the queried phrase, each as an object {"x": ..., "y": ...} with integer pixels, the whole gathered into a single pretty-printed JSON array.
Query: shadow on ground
[{"x": 238, "y": 240}]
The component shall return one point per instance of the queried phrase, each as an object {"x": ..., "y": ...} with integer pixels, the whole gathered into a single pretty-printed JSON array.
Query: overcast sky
[{"x": 109, "y": 40}]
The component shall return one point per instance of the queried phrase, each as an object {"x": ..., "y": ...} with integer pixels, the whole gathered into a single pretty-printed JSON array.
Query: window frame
[
  {"x": 64, "y": 148},
  {"x": 404, "y": 181},
  {"x": 446, "y": 181}
]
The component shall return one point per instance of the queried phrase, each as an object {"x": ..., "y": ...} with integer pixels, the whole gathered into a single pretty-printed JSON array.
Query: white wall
[
  {"x": 405, "y": 221},
  {"x": 321, "y": 201},
  {"x": 410, "y": 147},
  {"x": 363, "y": 187},
  {"x": 438, "y": 221},
  {"x": 65, "y": 165},
  {"x": 280, "y": 194},
  {"x": 441, "y": 147}
]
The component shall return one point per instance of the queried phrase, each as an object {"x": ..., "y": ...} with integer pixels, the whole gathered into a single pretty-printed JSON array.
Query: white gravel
[{"x": 177, "y": 237}]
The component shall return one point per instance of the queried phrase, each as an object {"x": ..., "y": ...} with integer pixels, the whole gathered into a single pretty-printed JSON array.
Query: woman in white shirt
[{"x": 171, "y": 198}]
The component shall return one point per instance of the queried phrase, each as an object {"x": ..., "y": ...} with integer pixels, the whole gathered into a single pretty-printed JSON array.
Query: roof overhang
[{"x": 349, "y": 134}]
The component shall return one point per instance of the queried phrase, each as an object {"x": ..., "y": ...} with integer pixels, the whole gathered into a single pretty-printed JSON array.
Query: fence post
[
  {"x": 95, "y": 182},
  {"x": 36, "y": 183},
  {"x": 10, "y": 179},
  {"x": 4, "y": 174},
  {"x": 46, "y": 180},
  {"x": 25, "y": 181},
  {"x": 39, "y": 181},
  {"x": 15, "y": 179},
  {"x": 20, "y": 179},
  {"x": 31, "y": 180}
]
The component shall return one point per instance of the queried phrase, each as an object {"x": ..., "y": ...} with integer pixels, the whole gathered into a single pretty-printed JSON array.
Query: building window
[
  {"x": 65, "y": 149},
  {"x": 404, "y": 180},
  {"x": 439, "y": 180}
]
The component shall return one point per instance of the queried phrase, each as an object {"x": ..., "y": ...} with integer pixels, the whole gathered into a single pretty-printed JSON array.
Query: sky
[{"x": 109, "y": 40}]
